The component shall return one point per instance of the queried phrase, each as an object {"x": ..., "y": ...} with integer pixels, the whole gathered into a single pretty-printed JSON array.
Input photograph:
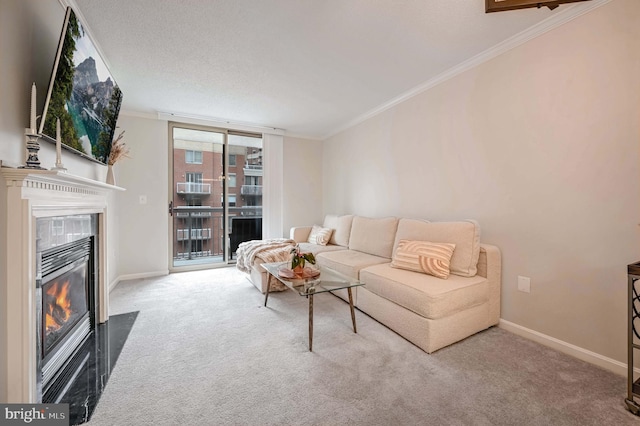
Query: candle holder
[
  {"x": 59, "y": 167},
  {"x": 33, "y": 146}
]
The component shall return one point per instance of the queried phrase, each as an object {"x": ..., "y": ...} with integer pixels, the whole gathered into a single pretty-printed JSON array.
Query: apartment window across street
[
  {"x": 194, "y": 177},
  {"x": 194, "y": 182},
  {"x": 252, "y": 180},
  {"x": 193, "y": 157},
  {"x": 232, "y": 159},
  {"x": 232, "y": 180}
]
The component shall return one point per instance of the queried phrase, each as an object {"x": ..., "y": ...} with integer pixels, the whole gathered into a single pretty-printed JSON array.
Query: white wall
[
  {"x": 143, "y": 230},
  {"x": 302, "y": 183},
  {"x": 23, "y": 32},
  {"x": 541, "y": 146}
]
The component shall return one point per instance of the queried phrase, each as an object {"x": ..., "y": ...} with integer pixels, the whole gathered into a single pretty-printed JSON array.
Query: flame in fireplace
[{"x": 59, "y": 306}]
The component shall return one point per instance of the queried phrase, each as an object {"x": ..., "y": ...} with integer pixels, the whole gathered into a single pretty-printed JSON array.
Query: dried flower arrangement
[{"x": 119, "y": 150}]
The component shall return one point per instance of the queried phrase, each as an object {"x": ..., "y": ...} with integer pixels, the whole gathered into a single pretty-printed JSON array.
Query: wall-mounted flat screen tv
[{"x": 82, "y": 94}]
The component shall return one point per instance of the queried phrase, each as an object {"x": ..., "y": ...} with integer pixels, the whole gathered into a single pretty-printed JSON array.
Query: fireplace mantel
[
  {"x": 32, "y": 194},
  {"x": 54, "y": 180}
]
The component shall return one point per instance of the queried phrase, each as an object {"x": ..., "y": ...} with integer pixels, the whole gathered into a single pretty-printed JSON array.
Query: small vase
[
  {"x": 298, "y": 270},
  {"x": 111, "y": 180}
]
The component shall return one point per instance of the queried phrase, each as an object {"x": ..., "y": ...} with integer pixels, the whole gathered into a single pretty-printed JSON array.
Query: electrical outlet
[
  {"x": 524, "y": 284},
  {"x": 143, "y": 199}
]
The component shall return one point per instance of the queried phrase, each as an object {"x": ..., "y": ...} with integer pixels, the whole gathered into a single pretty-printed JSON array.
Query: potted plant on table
[{"x": 299, "y": 259}]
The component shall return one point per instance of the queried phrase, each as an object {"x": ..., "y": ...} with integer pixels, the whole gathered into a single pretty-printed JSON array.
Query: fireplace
[
  {"x": 36, "y": 199},
  {"x": 65, "y": 299}
]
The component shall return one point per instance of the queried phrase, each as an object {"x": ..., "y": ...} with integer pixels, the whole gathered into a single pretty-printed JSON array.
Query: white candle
[
  {"x": 58, "y": 141},
  {"x": 32, "y": 118}
]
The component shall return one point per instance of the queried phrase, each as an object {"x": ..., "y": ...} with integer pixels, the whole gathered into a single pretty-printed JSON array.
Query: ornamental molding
[{"x": 55, "y": 181}]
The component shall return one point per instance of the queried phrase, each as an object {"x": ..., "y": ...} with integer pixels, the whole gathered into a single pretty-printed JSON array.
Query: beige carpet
[{"x": 204, "y": 351}]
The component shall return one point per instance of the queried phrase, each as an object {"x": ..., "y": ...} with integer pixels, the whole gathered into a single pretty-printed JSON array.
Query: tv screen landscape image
[{"x": 82, "y": 94}]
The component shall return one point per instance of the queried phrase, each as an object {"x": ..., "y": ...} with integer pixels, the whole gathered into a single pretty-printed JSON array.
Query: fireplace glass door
[{"x": 64, "y": 303}]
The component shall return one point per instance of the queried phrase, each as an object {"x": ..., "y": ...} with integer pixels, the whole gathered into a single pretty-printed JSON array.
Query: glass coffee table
[{"x": 328, "y": 281}]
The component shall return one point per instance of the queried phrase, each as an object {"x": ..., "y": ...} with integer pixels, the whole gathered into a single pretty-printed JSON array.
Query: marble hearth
[{"x": 32, "y": 195}]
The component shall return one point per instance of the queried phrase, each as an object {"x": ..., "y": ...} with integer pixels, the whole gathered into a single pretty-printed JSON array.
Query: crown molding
[
  {"x": 303, "y": 136},
  {"x": 554, "y": 21},
  {"x": 138, "y": 114},
  {"x": 168, "y": 116},
  {"x": 218, "y": 122}
]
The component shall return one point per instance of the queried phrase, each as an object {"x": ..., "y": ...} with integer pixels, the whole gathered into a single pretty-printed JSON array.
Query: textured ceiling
[{"x": 306, "y": 66}]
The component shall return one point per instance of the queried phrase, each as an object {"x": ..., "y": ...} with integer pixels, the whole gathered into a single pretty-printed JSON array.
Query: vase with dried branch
[{"x": 119, "y": 150}]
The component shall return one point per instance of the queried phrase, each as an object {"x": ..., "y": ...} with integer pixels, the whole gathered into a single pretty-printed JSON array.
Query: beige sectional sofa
[{"x": 430, "y": 312}]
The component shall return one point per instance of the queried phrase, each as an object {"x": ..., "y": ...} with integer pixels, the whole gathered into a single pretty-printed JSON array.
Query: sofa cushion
[
  {"x": 464, "y": 234},
  {"x": 373, "y": 236},
  {"x": 427, "y": 296},
  {"x": 348, "y": 262},
  {"x": 341, "y": 226},
  {"x": 319, "y": 235},
  {"x": 300, "y": 233},
  {"x": 424, "y": 257},
  {"x": 316, "y": 248}
]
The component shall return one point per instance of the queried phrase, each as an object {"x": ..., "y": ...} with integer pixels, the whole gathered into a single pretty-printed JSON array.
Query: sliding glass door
[
  {"x": 245, "y": 189},
  {"x": 216, "y": 194}
]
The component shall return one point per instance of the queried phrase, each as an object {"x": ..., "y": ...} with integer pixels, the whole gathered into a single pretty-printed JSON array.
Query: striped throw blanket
[{"x": 273, "y": 250}]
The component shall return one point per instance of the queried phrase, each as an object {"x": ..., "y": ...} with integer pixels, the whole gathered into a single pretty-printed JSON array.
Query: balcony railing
[
  {"x": 252, "y": 170},
  {"x": 193, "y": 214},
  {"x": 193, "y": 188},
  {"x": 196, "y": 234},
  {"x": 251, "y": 190},
  {"x": 199, "y": 230},
  {"x": 190, "y": 255}
]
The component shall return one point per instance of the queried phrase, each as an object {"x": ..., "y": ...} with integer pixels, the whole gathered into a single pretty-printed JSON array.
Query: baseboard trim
[
  {"x": 126, "y": 277},
  {"x": 602, "y": 361}
]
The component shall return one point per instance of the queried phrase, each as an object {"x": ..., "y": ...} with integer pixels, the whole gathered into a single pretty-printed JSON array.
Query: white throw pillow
[{"x": 320, "y": 235}]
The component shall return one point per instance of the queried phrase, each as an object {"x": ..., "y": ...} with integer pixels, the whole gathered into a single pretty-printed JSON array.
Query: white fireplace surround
[{"x": 33, "y": 194}]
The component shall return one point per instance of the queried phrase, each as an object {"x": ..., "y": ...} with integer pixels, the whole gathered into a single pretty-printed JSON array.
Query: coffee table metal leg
[
  {"x": 310, "y": 322},
  {"x": 266, "y": 294},
  {"x": 353, "y": 313}
]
